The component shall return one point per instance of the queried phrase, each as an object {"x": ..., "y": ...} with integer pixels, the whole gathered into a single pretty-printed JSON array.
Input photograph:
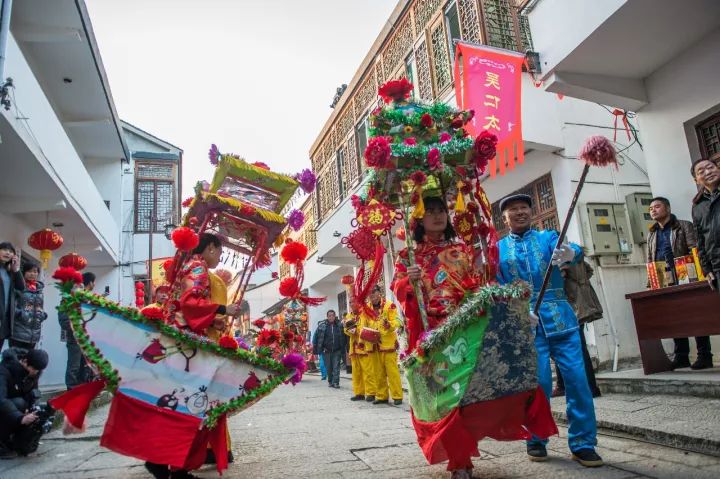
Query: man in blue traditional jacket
[{"x": 525, "y": 254}]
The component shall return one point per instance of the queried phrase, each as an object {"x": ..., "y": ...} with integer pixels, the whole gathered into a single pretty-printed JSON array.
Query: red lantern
[
  {"x": 139, "y": 294},
  {"x": 73, "y": 260},
  {"x": 347, "y": 280},
  {"x": 46, "y": 241}
]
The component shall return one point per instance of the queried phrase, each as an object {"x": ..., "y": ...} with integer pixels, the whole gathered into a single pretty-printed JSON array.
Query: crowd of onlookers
[{"x": 22, "y": 313}]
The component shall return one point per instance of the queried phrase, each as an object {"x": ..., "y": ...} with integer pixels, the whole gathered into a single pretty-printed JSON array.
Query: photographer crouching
[{"x": 22, "y": 421}]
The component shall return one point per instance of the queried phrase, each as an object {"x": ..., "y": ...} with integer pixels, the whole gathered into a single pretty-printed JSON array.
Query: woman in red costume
[
  {"x": 192, "y": 306},
  {"x": 445, "y": 270}
]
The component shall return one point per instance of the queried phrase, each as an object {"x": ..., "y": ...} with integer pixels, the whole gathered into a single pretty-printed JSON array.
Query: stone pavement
[
  {"x": 689, "y": 422},
  {"x": 312, "y": 431}
]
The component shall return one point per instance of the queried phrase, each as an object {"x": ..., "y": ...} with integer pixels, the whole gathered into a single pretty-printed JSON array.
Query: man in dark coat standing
[
  {"x": 329, "y": 340},
  {"x": 706, "y": 218},
  {"x": 670, "y": 236},
  {"x": 11, "y": 281}
]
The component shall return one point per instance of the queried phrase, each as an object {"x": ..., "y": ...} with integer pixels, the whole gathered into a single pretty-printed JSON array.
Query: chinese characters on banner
[{"x": 488, "y": 81}]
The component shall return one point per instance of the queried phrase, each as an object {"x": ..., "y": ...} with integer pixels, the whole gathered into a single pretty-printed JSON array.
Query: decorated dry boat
[{"x": 172, "y": 389}]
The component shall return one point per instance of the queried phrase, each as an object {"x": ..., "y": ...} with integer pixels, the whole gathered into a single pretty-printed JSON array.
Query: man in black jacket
[
  {"x": 706, "y": 218},
  {"x": 329, "y": 340},
  {"x": 18, "y": 382},
  {"x": 673, "y": 237},
  {"x": 11, "y": 280}
]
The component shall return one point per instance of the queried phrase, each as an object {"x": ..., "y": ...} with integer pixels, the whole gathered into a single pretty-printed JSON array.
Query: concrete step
[
  {"x": 683, "y": 422},
  {"x": 704, "y": 383}
]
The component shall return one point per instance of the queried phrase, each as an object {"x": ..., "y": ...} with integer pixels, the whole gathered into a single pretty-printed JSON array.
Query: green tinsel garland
[
  {"x": 466, "y": 313},
  {"x": 452, "y": 147},
  {"x": 71, "y": 305}
]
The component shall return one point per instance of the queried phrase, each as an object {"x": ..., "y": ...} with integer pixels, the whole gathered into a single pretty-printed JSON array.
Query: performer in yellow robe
[
  {"x": 362, "y": 355},
  {"x": 387, "y": 372}
]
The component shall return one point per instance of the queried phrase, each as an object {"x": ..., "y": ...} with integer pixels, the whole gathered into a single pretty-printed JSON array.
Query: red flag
[
  {"x": 488, "y": 81},
  {"x": 76, "y": 401}
]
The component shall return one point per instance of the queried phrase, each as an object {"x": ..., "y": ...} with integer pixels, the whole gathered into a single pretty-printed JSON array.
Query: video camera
[{"x": 27, "y": 439}]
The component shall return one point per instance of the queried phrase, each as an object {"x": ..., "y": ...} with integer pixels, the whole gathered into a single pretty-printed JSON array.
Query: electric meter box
[
  {"x": 605, "y": 229},
  {"x": 638, "y": 205}
]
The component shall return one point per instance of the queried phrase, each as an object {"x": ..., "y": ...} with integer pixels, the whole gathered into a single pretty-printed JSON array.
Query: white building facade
[
  {"x": 65, "y": 160},
  {"x": 657, "y": 58}
]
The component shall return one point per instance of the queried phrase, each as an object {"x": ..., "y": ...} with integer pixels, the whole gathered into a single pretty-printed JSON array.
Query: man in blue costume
[{"x": 525, "y": 254}]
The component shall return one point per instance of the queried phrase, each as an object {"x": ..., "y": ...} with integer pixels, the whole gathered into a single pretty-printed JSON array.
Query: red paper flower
[
  {"x": 66, "y": 274},
  {"x": 378, "y": 152},
  {"x": 445, "y": 137},
  {"x": 418, "y": 177},
  {"x": 397, "y": 90},
  {"x": 266, "y": 337},
  {"x": 289, "y": 287},
  {"x": 410, "y": 141},
  {"x": 247, "y": 210},
  {"x": 426, "y": 120},
  {"x": 185, "y": 239},
  {"x": 433, "y": 159},
  {"x": 187, "y": 201},
  {"x": 298, "y": 338},
  {"x": 485, "y": 145},
  {"x": 152, "y": 312},
  {"x": 259, "y": 323},
  {"x": 288, "y": 336},
  {"x": 294, "y": 252},
  {"x": 457, "y": 121},
  {"x": 484, "y": 148},
  {"x": 228, "y": 342}
]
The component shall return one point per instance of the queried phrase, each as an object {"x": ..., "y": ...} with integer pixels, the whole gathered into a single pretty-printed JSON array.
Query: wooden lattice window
[
  {"x": 423, "y": 11},
  {"x": 361, "y": 141},
  {"x": 398, "y": 47},
  {"x": 341, "y": 170},
  {"x": 284, "y": 269},
  {"x": 154, "y": 196},
  {"x": 469, "y": 20},
  {"x": 367, "y": 93},
  {"x": 504, "y": 27},
  {"x": 351, "y": 161},
  {"x": 708, "y": 133},
  {"x": 440, "y": 57},
  {"x": 422, "y": 61},
  {"x": 544, "y": 209},
  {"x": 452, "y": 27}
]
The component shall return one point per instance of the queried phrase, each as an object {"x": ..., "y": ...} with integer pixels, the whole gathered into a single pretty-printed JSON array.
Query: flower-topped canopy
[{"x": 424, "y": 149}]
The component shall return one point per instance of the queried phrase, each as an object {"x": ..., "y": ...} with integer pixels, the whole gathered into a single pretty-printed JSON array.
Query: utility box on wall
[
  {"x": 638, "y": 205},
  {"x": 605, "y": 229}
]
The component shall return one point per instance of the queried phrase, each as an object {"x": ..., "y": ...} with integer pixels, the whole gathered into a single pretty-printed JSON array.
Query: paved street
[{"x": 313, "y": 431}]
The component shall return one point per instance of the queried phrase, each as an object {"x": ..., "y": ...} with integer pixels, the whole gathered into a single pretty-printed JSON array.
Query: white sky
[{"x": 255, "y": 77}]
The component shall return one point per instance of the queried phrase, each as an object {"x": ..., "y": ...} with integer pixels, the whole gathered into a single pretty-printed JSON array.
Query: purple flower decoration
[
  {"x": 296, "y": 219},
  {"x": 294, "y": 361},
  {"x": 307, "y": 180},
  {"x": 241, "y": 343},
  {"x": 214, "y": 154}
]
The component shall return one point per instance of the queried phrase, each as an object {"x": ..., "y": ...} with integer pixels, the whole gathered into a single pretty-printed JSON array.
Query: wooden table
[{"x": 680, "y": 311}]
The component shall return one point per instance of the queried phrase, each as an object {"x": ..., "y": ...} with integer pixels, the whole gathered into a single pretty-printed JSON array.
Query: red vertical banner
[{"x": 488, "y": 81}]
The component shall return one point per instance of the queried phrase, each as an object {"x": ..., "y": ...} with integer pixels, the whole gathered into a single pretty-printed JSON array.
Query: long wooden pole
[{"x": 561, "y": 238}]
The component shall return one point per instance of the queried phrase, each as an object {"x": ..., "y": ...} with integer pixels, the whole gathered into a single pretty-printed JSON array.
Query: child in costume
[{"x": 502, "y": 400}]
